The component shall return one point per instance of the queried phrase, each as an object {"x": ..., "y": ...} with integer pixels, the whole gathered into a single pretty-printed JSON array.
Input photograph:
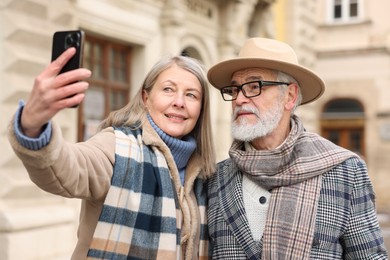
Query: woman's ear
[
  {"x": 292, "y": 98},
  {"x": 145, "y": 97}
]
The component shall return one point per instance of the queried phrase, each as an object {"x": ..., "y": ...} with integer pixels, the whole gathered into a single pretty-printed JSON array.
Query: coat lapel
[{"x": 233, "y": 211}]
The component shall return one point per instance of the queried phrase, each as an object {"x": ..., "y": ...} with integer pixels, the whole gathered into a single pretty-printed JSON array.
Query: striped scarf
[
  {"x": 293, "y": 173},
  {"x": 141, "y": 216}
]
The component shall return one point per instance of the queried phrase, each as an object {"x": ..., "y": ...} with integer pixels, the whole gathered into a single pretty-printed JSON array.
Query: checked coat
[{"x": 346, "y": 225}]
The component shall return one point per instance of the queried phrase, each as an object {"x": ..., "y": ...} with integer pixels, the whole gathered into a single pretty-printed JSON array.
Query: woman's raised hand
[{"x": 53, "y": 92}]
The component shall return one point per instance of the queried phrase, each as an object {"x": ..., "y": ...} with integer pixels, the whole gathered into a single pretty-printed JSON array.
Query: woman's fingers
[
  {"x": 55, "y": 67},
  {"x": 53, "y": 92},
  {"x": 70, "y": 95},
  {"x": 71, "y": 77}
]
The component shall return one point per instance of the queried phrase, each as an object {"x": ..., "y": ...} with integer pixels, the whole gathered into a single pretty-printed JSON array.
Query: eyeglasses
[{"x": 249, "y": 89}]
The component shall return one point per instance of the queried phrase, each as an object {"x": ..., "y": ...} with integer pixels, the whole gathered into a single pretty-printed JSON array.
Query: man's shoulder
[
  {"x": 224, "y": 170},
  {"x": 226, "y": 167},
  {"x": 348, "y": 172},
  {"x": 224, "y": 163}
]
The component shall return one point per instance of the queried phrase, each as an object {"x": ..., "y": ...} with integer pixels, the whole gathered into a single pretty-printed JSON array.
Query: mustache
[{"x": 245, "y": 109}]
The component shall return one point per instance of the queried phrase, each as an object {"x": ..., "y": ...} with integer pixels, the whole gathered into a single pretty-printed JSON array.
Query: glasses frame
[{"x": 262, "y": 83}]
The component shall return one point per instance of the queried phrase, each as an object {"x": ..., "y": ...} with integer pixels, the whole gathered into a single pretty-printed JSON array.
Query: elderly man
[{"x": 285, "y": 193}]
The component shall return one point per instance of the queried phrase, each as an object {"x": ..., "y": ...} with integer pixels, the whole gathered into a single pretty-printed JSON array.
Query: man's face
[{"x": 257, "y": 116}]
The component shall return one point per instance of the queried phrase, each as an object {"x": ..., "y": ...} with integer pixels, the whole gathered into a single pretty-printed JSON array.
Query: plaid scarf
[
  {"x": 141, "y": 216},
  {"x": 293, "y": 173}
]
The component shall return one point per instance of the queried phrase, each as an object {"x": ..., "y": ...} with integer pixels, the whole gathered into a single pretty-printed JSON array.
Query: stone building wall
[
  {"x": 354, "y": 59},
  {"x": 38, "y": 225}
]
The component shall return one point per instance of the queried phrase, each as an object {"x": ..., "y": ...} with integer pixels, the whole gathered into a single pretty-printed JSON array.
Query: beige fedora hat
[{"x": 269, "y": 54}]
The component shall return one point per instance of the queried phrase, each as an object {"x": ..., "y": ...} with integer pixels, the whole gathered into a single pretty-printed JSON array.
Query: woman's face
[{"x": 175, "y": 101}]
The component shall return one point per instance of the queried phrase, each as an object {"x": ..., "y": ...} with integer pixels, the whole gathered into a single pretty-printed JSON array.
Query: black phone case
[{"x": 62, "y": 40}]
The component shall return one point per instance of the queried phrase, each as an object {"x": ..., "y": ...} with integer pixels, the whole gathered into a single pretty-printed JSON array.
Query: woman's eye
[
  {"x": 193, "y": 95},
  {"x": 167, "y": 89}
]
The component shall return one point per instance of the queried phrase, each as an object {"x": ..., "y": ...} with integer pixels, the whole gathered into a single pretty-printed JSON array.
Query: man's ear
[{"x": 292, "y": 96}]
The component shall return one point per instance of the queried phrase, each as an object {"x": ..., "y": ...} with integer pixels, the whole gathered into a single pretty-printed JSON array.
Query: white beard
[{"x": 266, "y": 123}]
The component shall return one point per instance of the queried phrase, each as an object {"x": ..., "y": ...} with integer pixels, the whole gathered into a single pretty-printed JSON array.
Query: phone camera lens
[{"x": 71, "y": 40}]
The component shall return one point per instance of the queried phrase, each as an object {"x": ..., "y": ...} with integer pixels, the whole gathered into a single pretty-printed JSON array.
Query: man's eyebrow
[{"x": 251, "y": 78}]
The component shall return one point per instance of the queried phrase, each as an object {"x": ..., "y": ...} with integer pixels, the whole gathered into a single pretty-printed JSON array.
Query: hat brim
[{"x": 312, "y": 86}]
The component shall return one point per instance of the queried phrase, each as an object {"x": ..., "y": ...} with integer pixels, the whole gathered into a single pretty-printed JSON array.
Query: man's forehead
[{"x": 253, "y": 72}]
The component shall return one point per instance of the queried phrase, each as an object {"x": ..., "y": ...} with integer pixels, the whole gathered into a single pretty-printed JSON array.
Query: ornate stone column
[
  {"x": 238, "y": 20},
  {"x": 172, "y": 24}
]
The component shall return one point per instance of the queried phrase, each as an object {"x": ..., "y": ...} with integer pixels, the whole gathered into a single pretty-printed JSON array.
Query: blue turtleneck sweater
[{"x": 181, "y": 149}]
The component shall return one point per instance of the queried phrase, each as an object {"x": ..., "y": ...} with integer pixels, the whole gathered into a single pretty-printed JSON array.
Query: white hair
[{"x": 283, "y": 77}]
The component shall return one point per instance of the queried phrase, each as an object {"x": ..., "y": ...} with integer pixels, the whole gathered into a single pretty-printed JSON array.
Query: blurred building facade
[
  {"x": 346, "y": 42},
  {"x": 353, "y": 55}
]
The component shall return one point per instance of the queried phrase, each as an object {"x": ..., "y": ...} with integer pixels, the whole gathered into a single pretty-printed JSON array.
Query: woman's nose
[{"x": 179, "y": 101}]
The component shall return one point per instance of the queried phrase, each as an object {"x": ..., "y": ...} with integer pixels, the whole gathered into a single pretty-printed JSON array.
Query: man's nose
[{"x": 241, "y": 98}]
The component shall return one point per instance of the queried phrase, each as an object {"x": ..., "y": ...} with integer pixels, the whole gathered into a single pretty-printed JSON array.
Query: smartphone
[{"x": 62, "y": 40}]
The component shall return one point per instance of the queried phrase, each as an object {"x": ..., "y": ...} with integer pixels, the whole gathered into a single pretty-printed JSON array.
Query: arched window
[
  {"x": 342, "y": 123},
  {"x": 191, "y": 52}
]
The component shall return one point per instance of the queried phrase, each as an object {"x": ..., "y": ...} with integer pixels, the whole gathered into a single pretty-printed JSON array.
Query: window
[
  {"x": 343, "y": 123},
  {"x": 344, "y": 10},
  {"x": 353, "y": 8},
  {"x": 337, "y": 9},
  {"x": 109, "y": 85}
]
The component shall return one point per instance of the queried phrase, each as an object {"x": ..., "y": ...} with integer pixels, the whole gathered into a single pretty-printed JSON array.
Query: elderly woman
[{"x": 141, "y": 177}]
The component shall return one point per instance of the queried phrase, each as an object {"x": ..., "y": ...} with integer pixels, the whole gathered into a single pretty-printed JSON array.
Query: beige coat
[{"x": 84, "y": 171}]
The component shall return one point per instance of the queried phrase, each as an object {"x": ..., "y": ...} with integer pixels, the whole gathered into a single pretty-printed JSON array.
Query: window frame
[
  {"x": 108, "y": 85},
  {"x": 345, "y": 11}
]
